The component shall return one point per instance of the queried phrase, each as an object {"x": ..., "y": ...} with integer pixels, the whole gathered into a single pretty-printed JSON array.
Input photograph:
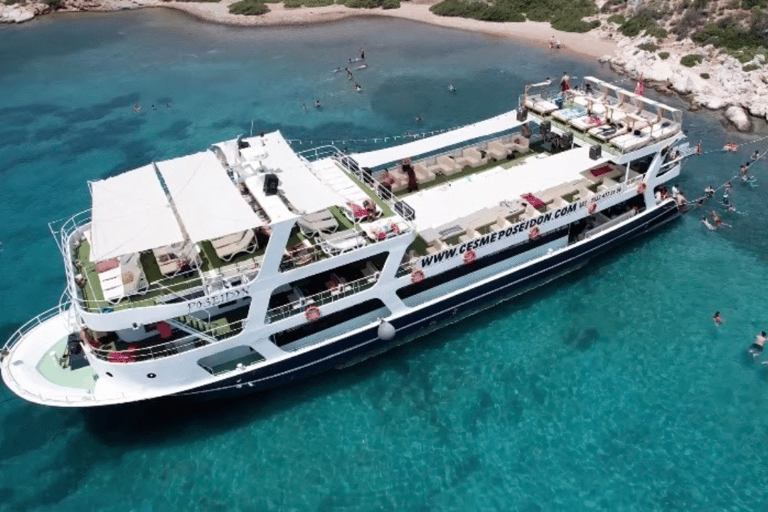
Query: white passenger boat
[{"x": 248, "y": 265}]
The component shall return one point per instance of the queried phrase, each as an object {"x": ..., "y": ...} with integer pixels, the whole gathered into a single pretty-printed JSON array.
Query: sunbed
[
  {"x": 318, "y": 222},
  {"x": 227, "y": 247}
]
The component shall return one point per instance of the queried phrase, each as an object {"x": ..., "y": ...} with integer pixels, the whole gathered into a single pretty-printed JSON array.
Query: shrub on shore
[
  {"x": 733, "y": 34},
  {"x": 619, "y": 19},
  {"x": 750, "y": 67},
  {"x": 371, "y": 4},
  {"x": 705, "y": 76},
  {"x": 644, "y": 20},
  {"x": 565, "y": 15},
  {"x": 663, "y": 55},
  {"x": 249, "y": 8},
  {"x": 293, "y": 4},
  {"x": 649, "y": 47},
  {"x": 691, "y": 60}
]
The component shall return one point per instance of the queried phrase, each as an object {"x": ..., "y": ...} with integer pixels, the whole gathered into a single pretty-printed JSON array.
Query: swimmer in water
[
  {"x": 757, "y": 347},
  {"x": 358, "y": 88},
  {"x": 317, "y": 104},
  {"x": 349, "y": 74},
  {"x": 756, "y": 155},
  {"x": 304, "y": 107},
  {"x": 137, "y": 108},
  {"x": 168, "y": 105},
  {"x": 419, "y": 119},
  {"x": 716, "y": 218},
  {"x": 709, "y": 191},
  {"x": 718, "y": 319},
  {"x": 707, "y": 224},
  {"x": 451, "y": 88},
  {"x": 361, "y": 66}
]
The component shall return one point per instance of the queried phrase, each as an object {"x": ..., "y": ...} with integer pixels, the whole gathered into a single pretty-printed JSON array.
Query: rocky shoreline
[{"x": 718, "y": 82}]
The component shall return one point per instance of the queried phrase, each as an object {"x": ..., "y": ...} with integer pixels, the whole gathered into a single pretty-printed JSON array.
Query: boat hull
[{"x": 425, "y": 320}]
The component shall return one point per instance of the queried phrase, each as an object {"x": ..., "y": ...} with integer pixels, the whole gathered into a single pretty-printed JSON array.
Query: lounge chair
[
  {"x": 319, "y": 222},
  {"x": 341, "y": 242},
  {"x": 176, "y": 258},
  {"x": 471, "y": 157},
  {"x": 609, "y": 131},
  {"x": 121, "y": 277},
  {"x": 518, "y": 143},
  {"x": 448, "y": 165},
  {"x": 573, "y": 112},
  {"x": 587, "y": 122},
  {"x": 423, "y": 174},
  {"x": 497, "y": 150},
  {"x": 227, "y": 247},
  {"x": 539, "y": 104}
]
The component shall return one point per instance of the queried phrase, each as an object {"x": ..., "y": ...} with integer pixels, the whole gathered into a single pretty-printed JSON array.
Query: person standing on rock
[{"x": 640, "y": 87}]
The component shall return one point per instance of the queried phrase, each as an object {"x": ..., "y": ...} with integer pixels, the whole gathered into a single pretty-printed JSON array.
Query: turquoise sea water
[{"x": 608, "y": 390}]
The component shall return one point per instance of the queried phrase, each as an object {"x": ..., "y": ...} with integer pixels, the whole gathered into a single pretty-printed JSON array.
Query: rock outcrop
[
  {"x": 19, "y": 13},
  {"x": 739, "y": 118}
]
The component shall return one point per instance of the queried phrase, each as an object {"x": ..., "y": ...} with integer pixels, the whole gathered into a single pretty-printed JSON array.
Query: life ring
[
  {"x": 417, "y": 276},
  {"x": 312, "y": 313},
  {"x": 641, "y": 188},
  {"x": 470, "y": 256},
  {"x": 592, "y": 208},
  {"x": 534, "y": 233}
]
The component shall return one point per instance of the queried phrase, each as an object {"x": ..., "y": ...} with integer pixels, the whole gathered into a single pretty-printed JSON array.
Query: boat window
[
  {"x": 230, "y": 359},
  {"x": 325, "y": 287},
  {"x": 352, "y": 318}
]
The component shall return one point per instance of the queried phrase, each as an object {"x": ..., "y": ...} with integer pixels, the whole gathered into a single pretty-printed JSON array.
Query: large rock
[
  {"x": 16, "y": 13},
  {"x": 738, "y": 118},
  {"x": 711, "y": 102}
]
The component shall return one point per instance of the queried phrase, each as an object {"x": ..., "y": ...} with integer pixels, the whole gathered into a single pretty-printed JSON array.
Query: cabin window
[
  {"x": 326, "y": 287},
  {"x": 230, "y": 359},
  {"x": 360, "y": 312}
]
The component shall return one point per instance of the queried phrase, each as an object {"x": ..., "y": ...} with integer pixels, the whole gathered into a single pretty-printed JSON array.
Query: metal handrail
[
  {"x": 168, "y": 348},
  {"x": 320, "y": 299},
  {"x": 32, "y": 323}
]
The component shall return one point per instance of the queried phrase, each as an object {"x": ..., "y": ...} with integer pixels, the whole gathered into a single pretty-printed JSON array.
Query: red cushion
[{"x": 105, "y": 265}]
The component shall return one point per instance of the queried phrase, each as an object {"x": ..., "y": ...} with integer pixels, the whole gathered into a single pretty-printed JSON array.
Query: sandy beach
[{"x": 590, "y": 45}]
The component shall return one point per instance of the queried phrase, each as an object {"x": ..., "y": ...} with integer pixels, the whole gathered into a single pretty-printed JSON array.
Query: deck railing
[
  {"x": 31, "y": 324},
  {"x": 320, "y": 299},
  {"x": 167, "y": 289},
  {"x": 190, "y": 342}
]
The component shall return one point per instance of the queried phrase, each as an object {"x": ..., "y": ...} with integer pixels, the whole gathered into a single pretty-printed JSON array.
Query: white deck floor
[{"x": 440, "y": 205}]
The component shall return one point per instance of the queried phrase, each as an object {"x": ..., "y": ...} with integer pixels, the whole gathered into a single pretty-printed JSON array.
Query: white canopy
[
  {"x": 439, "y": 205},
  {"x": 207, "y": 201},
  {"x": 500, "y": 123},
  {"x": 131, "y": 213},
  {"x": 303, "y": 189}
]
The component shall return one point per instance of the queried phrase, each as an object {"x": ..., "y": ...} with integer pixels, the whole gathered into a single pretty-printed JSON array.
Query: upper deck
[{"x": 179, "y": 230}]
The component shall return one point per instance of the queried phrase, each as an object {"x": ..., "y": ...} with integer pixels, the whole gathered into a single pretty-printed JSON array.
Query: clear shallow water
[{"x": 608, "y": 390}]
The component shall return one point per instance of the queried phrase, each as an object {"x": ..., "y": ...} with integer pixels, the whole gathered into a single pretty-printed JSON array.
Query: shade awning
[
  {"x": 500, "y": 123},
  {"x": 206, "y": 199},
  {"x": 131, "y": 213}
]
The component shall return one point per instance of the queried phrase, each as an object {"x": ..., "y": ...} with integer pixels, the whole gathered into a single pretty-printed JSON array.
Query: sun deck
[{"x": 459, "y": 198}]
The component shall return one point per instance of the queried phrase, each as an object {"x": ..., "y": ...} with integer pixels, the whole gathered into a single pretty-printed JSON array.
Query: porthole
[
  {"x": 109, "y": 374},
  {"x": 151, "y": 375}
]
